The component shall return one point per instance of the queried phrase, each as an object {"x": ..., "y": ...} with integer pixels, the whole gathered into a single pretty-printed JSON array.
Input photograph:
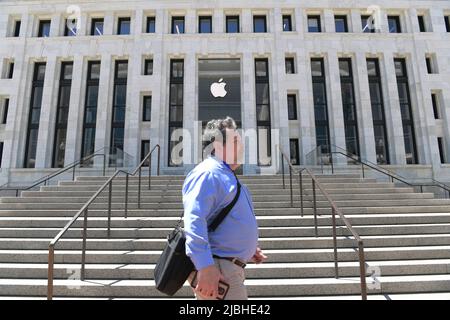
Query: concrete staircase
[{"x": 406, "y": 236}]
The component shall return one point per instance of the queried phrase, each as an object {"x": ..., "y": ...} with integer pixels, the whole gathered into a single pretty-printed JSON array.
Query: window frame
[
  {"x": 120, "y": 21},
  {"x": 231, "y": 17},
  {"x": 174, "y": 19},
  {"x": 42, "y": 23},
  {"x": 289, "y": 18},
  {"x": 151, "y": 20},
  {"x": 260, "y": 17},
  {"x": 93, "y": 26},
  {"x": 316, "y": 17},
  {"x": 146, "y": 114},
  {"x": 341, "y": 17},
  {"x": 209, "y": 20},
  {"x": 398, "y": 23},
  {"x": 292, "y": 97}
]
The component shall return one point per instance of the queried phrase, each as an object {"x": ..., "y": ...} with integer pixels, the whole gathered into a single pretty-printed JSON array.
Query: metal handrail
[
  {"x": 47, "y": 178},
  {"x": 335, "y": 210},
  {"x": 85, "y": 208},
  {"x": 390, "y": 174}
]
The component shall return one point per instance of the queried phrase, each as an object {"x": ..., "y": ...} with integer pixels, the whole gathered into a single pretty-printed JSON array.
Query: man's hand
[
  {"x": 259, "y": 256},
  {"x": 208, "y": 281}
]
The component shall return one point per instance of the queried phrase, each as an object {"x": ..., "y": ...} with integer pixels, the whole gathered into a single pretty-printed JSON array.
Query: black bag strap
[{"x": 218, "y": 220}]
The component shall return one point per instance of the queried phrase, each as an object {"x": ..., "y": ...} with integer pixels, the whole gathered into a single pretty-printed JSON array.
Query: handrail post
[
  {"x": 421, "y": 188},
  {"x": 362, "y": 166},
  {"x": 126, "y": 196},
  {"x": 83, "y": 250},
  {"x": 333, "y": 218},
  {"x": 109, "y": 209},
  {"x": 362, "y": 270},
  {"x": 158, "y": 163},
  {"x": 282, "y": 169},
  {"x": 73, "y": 174},
  {"x": 301, "y": 191},
  {"x": 139, "y": 189},
  {"x": 104, "y": 164},
  {"x": 290, "y": 185},
  {"x": 149, "y": 172},
  {"x": 315, "y": 207},
  {"x": 332, "y": 162},
  {"x": 51, "y": 260}
]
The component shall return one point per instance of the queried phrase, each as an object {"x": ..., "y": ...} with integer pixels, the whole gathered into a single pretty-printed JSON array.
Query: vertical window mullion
[{"x": 177, "y": 89}]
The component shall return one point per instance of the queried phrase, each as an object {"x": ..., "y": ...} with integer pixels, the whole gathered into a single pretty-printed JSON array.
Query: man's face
[{"x": 233, "y": 149}]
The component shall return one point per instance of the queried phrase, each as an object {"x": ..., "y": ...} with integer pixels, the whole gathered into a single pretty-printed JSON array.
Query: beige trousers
[{"x": 234, "y": 276}]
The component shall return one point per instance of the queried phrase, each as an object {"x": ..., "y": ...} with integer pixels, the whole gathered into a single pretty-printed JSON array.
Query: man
[{"x": 208, "y": 188}]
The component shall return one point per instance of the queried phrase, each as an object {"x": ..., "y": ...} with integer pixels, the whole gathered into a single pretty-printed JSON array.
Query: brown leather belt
[{"x": 236, "y": 261}]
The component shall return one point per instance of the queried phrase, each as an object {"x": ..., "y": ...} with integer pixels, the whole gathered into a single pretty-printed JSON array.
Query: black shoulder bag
[{"x": 174, "y": 266}]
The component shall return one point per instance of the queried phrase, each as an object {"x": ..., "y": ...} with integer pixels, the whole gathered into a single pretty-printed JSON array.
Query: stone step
[
  {"x": 252, "y": 271},
  {"x": 275, "y": 255},
  {"x": 102, "y": 202},
  {"x": 256, "y": 287},
  {"x": 287, "y": 211},
  {"x": 263, "y": 221},
  {"x": 323, "y": 242},
  {"x": 132, "y": 197},
  {"x": 89, "y": 191},
  {"x": 155, "y": 233}
]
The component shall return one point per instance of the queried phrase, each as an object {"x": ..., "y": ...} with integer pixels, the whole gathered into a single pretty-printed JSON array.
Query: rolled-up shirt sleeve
[{"x": 199, "y": 201}]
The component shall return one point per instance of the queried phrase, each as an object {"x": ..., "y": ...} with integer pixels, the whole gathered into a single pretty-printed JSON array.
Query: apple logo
[{"x": 218, "y": 89}]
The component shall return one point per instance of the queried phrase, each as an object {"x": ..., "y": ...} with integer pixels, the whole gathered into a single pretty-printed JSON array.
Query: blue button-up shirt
[{"x": 207, "y": 189}]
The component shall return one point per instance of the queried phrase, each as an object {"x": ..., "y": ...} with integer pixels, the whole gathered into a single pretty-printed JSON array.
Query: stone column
[
  {"x": 190, "y": 112},
  {"x": 355, "y": 25},
  {"x": 104, "y": 109},
  {"x": 364, "y": 109},
  {"x": 44, "y": 150},
  {"x": 218, "y": 21},
  {"x": 249, "y": 114},
  {"x": 57, "y": 22},
  {"x": 392, "y": 110},
  {"x": 335, "y": 112},
  {"x": 109, "y": 23},
  {"x": 76, "y": 111},
  {"x": 246, "y": 21},
  {"x": 328, "y": 20}
]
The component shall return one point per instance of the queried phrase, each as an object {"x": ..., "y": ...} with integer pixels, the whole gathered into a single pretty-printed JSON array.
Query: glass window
[
  {"x": 70, "y": 28},
  {"x": 177, "y": 25},
  {"x": 124, "y": 26},
  {"x": 368, "y": 24},
  {"x": 294, "y": 152},
  {"x": 39, "y": 74},
  {"x": 94, "y": 70},
  {"x": 121, "y": 95},
  {"x": 10, "y": 70},
  {"x": 400, "y": 68},
  {"x": 421, "y": 21},
  {"x": 441, "y": 150},
  {"x": 145, "y": 149},
  {"x": 31, "y": 149},
  {"x": 5, "y": 111},
  {"x": 394, "y": 24},
  {"x": 151, "y": 25},
  {"x": 147, "y": 108},
  {"x": 447, "y": 23},
  {"x": 177, "y": 69},
  {"x": 435, "y": 106},
  {"x": 372, "y": 69},
  {"x": 66, "y": 71},
  {"x": 344, "y": 68},
  {"x": 287, "y": 23},
  {"x": 60, "y": 148},
  {"x": 262, "y": 93},
  {"x": 261, "y": 68},
  {"x": 121, "y": 69},
  {"x": 259, "y": 24},
  {"x": 319, "y": 93},
  {"x": 292, "y": 106},
  {"x": 204, "y": 24},
  {"x": 290, "y": 66},
  {"x": 314, "y": 24},
  {"x": 232, "y": 24},
  {"x": 17, "y": 28},
  {"x": 148, "y": 67},
  {"x": 317, "y": 68},
  {"x": 341, "y": 23},
  {"x": 64, "y": 98},
  {"x": 44, "y": 28},
  {"x": 97, "y": 27},
  {"x": 429, "y": 65}
]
